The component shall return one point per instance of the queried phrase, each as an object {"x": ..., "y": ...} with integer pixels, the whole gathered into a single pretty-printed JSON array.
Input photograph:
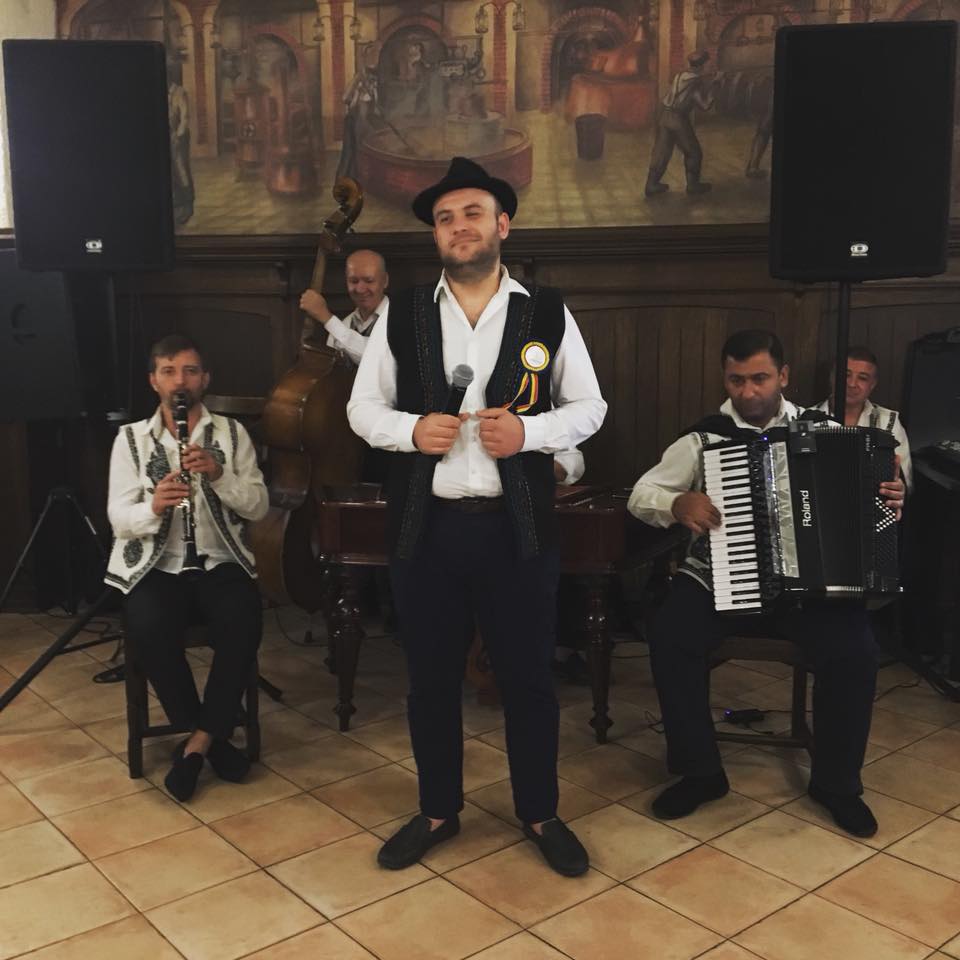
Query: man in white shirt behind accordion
[{"x": 834, "y": 634}]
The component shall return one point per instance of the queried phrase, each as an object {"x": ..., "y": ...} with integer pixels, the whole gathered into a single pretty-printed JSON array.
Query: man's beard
[
  {"x": 191, "y": 399},
  {"x": 480, "y": 264}
]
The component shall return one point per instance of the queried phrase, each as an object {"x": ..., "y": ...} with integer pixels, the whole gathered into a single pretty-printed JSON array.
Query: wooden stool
[
  {"x": 771, "y": 650},
  {"x": 138, "y": 717}
]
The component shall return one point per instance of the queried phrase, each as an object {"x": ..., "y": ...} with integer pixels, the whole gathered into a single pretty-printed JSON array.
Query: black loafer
[
  {"x": 412, "y": 841},
  {"x": 849, "y": 813},
  {"x": 228, "y": 762},
  {"x": 560, "y": 847},
  {"x": 683, "y": 797},
  {"x": 181, "y": 781}
]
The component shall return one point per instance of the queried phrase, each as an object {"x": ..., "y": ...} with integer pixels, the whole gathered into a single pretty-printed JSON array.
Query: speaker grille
[
  {"x": 89, "y": 154},
  {"x": 863, "y": 131}
]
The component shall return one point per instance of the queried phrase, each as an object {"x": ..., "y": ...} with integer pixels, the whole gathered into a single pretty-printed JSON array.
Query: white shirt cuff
[
  {"x": 534, "y": 434},
  {"x": 405, "y": 442}
]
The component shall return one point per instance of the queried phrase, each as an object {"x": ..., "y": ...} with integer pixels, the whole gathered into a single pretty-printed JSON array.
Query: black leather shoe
[
  {"x": 683, "y": 797},
  {"x": 560, "y": 847},
  {"x": 228, "y": 762},
  {"x": 412, "y": 841},
  {"x": 849, "y": 813},
  {"x": 181, "y": 781}
]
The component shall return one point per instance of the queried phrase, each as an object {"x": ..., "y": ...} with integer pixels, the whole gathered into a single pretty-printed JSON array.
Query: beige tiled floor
[{"x": 95, "y": 865}]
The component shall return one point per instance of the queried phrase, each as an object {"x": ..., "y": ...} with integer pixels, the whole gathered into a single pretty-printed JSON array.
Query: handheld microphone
[{"x": 462, "y": 378}]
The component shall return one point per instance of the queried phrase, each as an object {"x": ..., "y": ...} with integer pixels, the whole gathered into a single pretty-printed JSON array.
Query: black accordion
[{"x": 802, "y": 515}]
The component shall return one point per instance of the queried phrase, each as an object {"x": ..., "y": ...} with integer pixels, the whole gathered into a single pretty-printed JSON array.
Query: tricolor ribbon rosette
[{"x": 535, "y": 357}]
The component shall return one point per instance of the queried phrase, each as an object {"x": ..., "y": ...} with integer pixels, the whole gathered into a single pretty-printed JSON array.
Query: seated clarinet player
[
  {"x": 834, "y": 634},
  {"x": 183, "y": 486},
  {"x": 862, "y": 379}
]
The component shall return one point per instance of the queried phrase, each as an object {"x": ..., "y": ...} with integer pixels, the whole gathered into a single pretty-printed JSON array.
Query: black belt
[{"x": 471, "y": 504}]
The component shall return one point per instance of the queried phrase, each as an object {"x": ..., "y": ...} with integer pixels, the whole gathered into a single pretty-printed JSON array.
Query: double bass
[{"x": 311, "y": 445}]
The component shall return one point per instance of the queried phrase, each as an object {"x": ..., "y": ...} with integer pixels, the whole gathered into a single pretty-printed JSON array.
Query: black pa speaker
[
  {"x": 931, "y": 395},
  {"x": 862, "y": 136},
  {"x": 89, "y": 154}
]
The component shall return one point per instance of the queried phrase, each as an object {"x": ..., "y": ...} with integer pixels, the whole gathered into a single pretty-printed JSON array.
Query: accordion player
[{"x": 801, "y": 515}]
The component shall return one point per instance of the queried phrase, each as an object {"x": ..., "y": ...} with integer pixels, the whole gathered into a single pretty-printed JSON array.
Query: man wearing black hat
[
  {"x": 470, "y": 500},
  {"x": 675, "y": 128}
]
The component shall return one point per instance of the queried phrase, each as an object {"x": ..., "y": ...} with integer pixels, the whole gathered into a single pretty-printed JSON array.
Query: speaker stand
[
  {"x": 60, "y": 645},
  {"x": 843, "y": 344},
  {"x": 67, "y": 498}
]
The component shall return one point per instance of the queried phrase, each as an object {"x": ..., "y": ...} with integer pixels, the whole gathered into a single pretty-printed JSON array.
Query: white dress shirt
[
  {"x": 130, "y": 509},
  {"x": 573, "y": 463},
  {"x": 350, "y": 334},
  {"x": 873, "y": 415},
  {"x": 680, "y": 469},
  {"x": 468, "y": 470}
]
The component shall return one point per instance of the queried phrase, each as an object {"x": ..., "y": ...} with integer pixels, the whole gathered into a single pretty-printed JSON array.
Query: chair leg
[
  {"x": 137, "y": 712},
  {"x": 253, "y": 715},
  {"x": 798, "y": 706}
]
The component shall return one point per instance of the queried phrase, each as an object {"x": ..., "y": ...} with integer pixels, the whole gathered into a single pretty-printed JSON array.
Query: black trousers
[
  {"x": 835, "y": 636},
  {"x": 467, "y": 572},
  {"x": 156, "y": 613}
]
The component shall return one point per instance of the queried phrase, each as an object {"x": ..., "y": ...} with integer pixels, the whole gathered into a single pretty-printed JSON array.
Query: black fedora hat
[{"x": 464, "y": 173}]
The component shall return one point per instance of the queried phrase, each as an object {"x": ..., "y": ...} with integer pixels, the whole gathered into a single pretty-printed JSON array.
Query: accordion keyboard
[{"x": 734, "y": 552}]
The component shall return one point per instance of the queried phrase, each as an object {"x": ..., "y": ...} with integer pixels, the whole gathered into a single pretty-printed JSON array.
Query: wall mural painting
[{"x": 610, "y": 112}]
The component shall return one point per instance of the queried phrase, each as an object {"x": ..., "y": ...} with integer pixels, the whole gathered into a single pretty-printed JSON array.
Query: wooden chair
[
  {"x": 771, "y": 650},
  {"x": 139, "y": 727}
]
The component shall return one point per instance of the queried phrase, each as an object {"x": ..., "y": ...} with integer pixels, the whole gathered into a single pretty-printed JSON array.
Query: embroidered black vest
[{"x": 415, "y": 339}]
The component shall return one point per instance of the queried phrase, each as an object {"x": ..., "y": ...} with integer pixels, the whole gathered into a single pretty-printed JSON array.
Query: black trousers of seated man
[
  {"x": 467, "y": 572},
  {"x": 836, "y": 638},
  {"x": 157, "y": 612}
]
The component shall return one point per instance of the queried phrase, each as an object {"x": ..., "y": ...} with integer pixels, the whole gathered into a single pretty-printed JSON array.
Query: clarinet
[{"x": 192, "y": 561}]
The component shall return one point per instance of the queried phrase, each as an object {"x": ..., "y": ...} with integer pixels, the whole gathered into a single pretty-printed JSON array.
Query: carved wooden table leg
[
  {"x": 349, "y": 636},
  {"x": 331, "y": 615},
  {"x": 599, "y": 647}
]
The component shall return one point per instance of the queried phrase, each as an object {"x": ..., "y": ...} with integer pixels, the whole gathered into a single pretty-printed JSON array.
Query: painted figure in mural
[
  {"x": 361, "y": 102},
  {"x": 688, "y": 90},
  {"x": 761, "y": 139},
  {"x": 416, "y": 73},
  {"x": 179, "y": 113}
]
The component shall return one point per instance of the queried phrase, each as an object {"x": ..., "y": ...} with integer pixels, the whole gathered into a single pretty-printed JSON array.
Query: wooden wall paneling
[
  {"x": 690, "y": 372},
  {"x": 668, "y": 386},
  {"x": 599, "y": 335},
  {"x": 624, "y": 401},
  {"x": 646, "y": 354}
]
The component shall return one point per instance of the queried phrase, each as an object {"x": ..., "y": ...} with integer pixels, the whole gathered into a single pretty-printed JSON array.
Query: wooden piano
[{"x": 597, "y": 538}]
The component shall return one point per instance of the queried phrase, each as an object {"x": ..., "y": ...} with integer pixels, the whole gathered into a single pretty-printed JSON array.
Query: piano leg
[
  {"x": 599, "y": 648},
  {"x": 349, "y": 634}
]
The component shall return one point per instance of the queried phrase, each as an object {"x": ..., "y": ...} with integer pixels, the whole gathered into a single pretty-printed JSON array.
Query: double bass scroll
[{"x": 311, "y": 445}]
